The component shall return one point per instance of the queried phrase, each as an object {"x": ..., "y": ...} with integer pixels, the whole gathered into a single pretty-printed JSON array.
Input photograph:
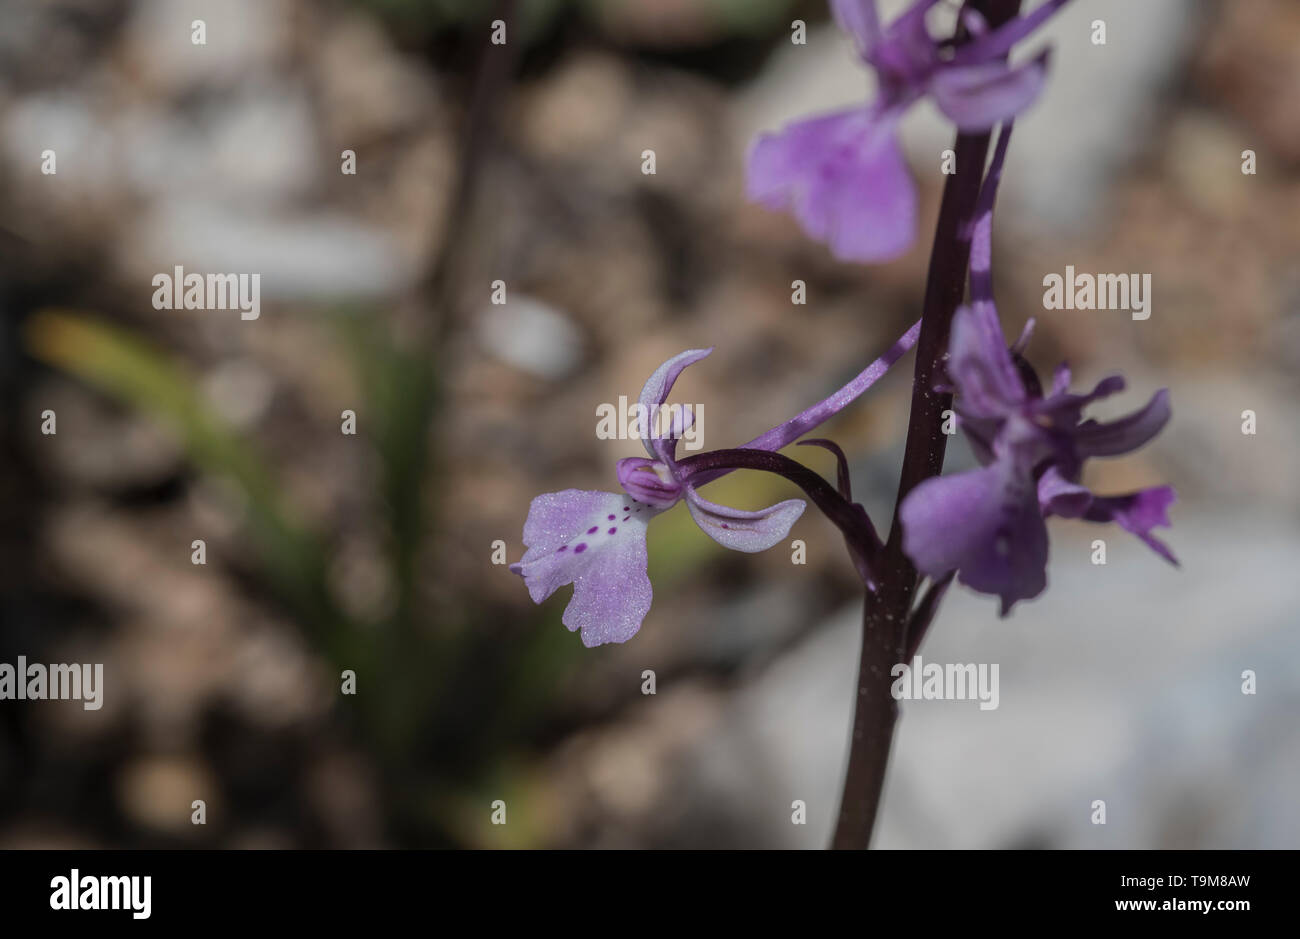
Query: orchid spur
[
  {"x": 597, "y": 540},
  {"x": 843, "y": 174}
]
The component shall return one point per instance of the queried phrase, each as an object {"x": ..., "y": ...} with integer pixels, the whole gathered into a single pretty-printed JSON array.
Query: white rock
[
  {"x": 531, "y": 336},
  {"x": 1120, "y": 683}
]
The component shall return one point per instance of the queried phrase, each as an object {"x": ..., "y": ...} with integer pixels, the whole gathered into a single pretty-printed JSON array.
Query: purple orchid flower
[
  {"x": 987, "y": 524},
  {"x": 597, "y": 540},
  {"x": 843, "y": 174}
]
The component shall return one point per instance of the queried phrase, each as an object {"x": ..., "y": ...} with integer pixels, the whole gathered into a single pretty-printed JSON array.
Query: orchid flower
[
  {"x": 987, "y": 524},
  {"x": 843, "y": 174},
  {"x": 597, "y": 540}
]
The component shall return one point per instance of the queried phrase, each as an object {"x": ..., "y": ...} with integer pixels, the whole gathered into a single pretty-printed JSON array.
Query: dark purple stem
[{"x": 886, "y": 612}]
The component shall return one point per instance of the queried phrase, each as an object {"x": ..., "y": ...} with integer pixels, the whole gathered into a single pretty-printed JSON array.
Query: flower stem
[
  {"x": 886, "y": 611},
  {"x": 853, "y": 522},
  {"x": 874, "y": 714},
  {"x": 945, "y": 288}
]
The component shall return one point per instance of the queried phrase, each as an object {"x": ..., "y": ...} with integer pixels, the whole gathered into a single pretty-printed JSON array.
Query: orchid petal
[
  {"x": 906, "y": 49},
  {"x": 1059, "y": 496},
  {"x": 976, "y": 97},
  {"x": 1066, "y": 408},
  {"x": 844, "y": 178},
  {"x": 1138, "y": 512},
  {"x": 654, "y": 393},
  {"x": 1061, "y": 379},
  {"x": 595, "y": 541},
  {"x": 980, "y": 364},
  {"x": 644, "y": 480},
  {"x": 660, "y": 383},
  {"x": 860, "y": 20},
  {"x": 981, "y": 433},
  {"x": 681, "y": 421},
  {"x": 998, "y": 42},
  {"x": 740, "y": 530},
  {"x": 986, "y": 525},
  {"x": 1022, "y": 341},
  {"x": 1125, "y": 435}
]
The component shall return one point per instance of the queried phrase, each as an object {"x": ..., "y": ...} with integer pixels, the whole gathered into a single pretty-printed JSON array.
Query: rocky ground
[{"x": 1122, "y": 683}]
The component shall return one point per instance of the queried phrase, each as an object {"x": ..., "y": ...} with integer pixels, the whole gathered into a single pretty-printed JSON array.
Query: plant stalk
[{"x": 886, "y": 611}]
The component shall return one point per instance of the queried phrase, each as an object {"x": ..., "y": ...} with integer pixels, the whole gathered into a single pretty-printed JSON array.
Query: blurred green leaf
[
  {"x": 400, "y": 391},
  {"x": 143, "y": 377}
]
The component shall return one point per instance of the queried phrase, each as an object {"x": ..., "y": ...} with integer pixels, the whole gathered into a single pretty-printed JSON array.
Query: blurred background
[{"x": 374, "y": 552}]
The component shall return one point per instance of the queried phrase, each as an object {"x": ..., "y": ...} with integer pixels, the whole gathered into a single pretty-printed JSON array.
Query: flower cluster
[
  {"x": 843, "y": 174},
  {"x": 844, "y": 178},
  {"x": 987, "y": 524}
]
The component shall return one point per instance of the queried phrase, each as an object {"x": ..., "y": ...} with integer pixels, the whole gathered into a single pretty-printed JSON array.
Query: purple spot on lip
[
  {"x": 611, "y": 518},
  {"x": 612, "y": 530},
  {"x": 725, "y": 525},
  {"x": 625, "y": 508},
  {"x": 592, "y": 529},
  {"x": 580, "y": 548},
  {"x": 564, "y": 547}
]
